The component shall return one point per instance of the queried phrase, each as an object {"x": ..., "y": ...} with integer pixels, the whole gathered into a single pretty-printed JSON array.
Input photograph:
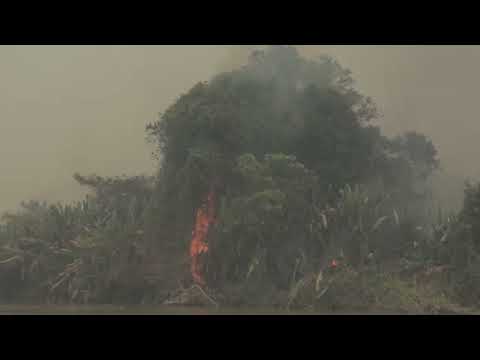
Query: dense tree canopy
[
  {"x": 282, "y": 103},
  {"x": 279, "y": 102},
  {"x": 279, "y": 140}
]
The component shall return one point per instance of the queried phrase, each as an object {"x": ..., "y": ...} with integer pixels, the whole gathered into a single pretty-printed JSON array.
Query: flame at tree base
[{"x": 205, "y": 217}]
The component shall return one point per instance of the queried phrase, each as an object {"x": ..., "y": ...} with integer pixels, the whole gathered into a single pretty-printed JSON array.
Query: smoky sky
[{"x": 67, "y": 109}]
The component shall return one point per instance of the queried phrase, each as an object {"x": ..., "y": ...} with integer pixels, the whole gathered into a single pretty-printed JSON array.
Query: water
[
  {"x": 125, "y": 310},
  {"x": 150, "y": 310}
]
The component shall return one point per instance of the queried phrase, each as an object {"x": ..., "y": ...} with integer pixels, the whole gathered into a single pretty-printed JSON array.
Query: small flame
[{"x": 204, "y": 218}]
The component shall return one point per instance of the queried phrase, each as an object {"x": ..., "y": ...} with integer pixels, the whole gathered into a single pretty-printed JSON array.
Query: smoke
[
  {"x": 235, "y": 57},
  {"x": 429, "y": 89},
  {"x": 67, "y": 109}
]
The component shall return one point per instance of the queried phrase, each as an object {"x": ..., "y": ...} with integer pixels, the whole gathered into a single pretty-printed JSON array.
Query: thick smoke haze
[{"x": 67, "y": 109}]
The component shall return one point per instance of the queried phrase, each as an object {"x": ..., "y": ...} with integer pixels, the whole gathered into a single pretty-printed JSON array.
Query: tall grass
[{"x": 71, "y": 252}]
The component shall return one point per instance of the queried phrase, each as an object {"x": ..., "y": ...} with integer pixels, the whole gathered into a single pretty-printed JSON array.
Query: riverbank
[{"x": 178, "y": 310}]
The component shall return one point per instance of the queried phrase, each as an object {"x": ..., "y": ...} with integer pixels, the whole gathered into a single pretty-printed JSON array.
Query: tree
[
  {"x": 277, "y": 103},
  {"x": 220, "y": 136}
]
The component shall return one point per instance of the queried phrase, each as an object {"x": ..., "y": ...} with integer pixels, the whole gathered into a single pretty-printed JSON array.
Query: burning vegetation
[
  {"x": 205, "y": 218},
  {"x": 317, "y": 209}
]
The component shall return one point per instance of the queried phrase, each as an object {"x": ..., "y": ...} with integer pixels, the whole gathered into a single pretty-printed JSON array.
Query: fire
[{"x": 204, "y": 218}]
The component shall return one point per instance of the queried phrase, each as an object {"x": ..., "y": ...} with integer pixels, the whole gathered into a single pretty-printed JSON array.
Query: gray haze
[{"x": 65, "y": 109}]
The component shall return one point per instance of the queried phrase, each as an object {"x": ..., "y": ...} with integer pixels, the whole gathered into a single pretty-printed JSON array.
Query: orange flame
[{"x": 204, "y": 218}]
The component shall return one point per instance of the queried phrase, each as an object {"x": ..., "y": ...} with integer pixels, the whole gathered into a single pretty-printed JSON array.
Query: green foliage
[
  {"x": 77, "y": 252},
  {"x": 282, "y": 143},
  {"x": 348, "y": 290},
  {"x": 274, "y": 231},
  {"x": 457, "y": 248},
  {"x": 259, "y": 215},
  {"x": 279, "y": 102}
]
